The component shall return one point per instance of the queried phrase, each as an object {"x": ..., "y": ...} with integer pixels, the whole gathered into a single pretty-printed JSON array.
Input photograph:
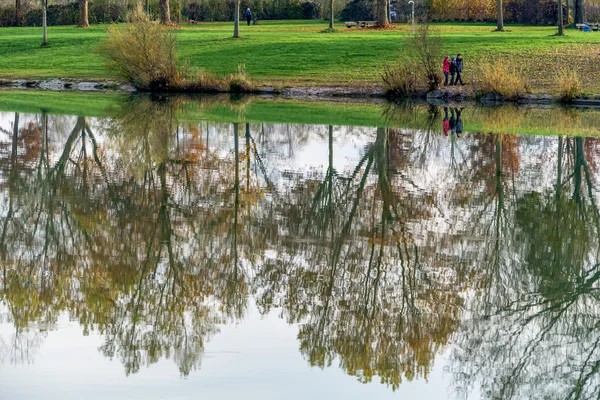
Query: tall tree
[
  {"x": 18, "y": 13},
  {"x": 331, "y": 14},
  {"x": 236, "y": 20},
  {"x": 382, "y": 13},
  {"x": 500, "y": 17},
  {"x": 165, "y": 12},
  {"x": 560, "y": 19},
  {"x": 44, "y": 23},
  {"x": 579, "y": 11},
  {"x": 83, "y": 14}
]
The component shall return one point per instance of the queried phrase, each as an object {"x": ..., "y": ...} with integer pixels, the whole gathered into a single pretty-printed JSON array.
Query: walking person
[
  {"x": 248, "y": 15},
  {"x": 446, "y": 69},
  {"x": 459, "y": 69},
  {"x": 452, "y": 70}
]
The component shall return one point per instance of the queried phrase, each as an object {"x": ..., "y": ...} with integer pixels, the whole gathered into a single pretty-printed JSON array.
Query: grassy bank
[
  {"x": 500, "y": 120},
  {"x": 295, "y": 53}
]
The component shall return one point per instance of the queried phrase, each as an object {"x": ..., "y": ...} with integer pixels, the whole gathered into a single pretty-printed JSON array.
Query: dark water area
[{"x": 152, "y": 255}]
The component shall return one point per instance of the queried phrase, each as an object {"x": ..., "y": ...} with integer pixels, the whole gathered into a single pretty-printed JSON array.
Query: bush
[
  {"x": 592, "y": 12},
  {"x": 7, "y": 17},
  {"x": 358, "y": 10},
  {"x": 400, "y": 80},
  {"x": 239, "y": 82},
  {"x": 197, "y": 11},
  {"x": 501, "y": 79},
  {"x": 143, "y": 53},
  {"x": 569, "y": 84},
  {"x": 425, "y": 50},
  {"x": 311, "y": 10}
]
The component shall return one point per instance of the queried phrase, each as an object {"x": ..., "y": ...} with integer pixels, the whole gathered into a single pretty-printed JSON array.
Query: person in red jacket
[{"x": 446, "y": 69}]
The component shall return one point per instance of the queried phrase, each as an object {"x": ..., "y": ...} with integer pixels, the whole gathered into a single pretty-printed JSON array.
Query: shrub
[
  {"x": 239, "y": 82},
  {"x": 311, "y": 10},
  {"x": 197, "y": 11},
  {"x": 569, "y": 84},
  {"x": 7, "y": 16},
  {"x": 400, "y": 80},
  {"x": 358, "y": 10},
  {"x": 143, "y": 53},
  {"x": 501, "y": 79},
  {"x": 425, "y": 50},
  {"x": 592, "y": 12}
]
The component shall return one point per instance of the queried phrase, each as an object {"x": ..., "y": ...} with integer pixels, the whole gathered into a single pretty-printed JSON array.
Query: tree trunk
[
  {"x": 382, "y": 14},
  {"x": 44, "y": 23},
  {"x": 579, "y": 14},
  {"x": 567, "y": 10},
  {"x": 331, "y": 15},
  {"x": 236, "y": 20},
  {"x": 500, "y": 16},
  {"x": 18, "y": 13},
  {"x": 165, "y": 13},
  {"x": 83, "y": 14},
  {"x": 560, "y": 19}
]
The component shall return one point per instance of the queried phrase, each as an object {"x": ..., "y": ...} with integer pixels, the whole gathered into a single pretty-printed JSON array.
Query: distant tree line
[
  {"x": 106, "y": 11},
  {"x": 534, "y": 12}
]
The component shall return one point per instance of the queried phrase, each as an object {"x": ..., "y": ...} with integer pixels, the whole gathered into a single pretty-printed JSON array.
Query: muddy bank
[{"x": 365, "y": 94}]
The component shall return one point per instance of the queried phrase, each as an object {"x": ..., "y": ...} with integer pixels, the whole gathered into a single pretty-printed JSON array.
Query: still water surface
[{"x": 147, "y": 256}]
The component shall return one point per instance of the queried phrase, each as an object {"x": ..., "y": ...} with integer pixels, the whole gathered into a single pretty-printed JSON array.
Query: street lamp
[{"x": 413, "y": 15}]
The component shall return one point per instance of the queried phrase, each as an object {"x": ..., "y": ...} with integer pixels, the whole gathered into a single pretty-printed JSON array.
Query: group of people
[
  {"x": 453, "y": 67},
  {"x": 454, "y": 123}
]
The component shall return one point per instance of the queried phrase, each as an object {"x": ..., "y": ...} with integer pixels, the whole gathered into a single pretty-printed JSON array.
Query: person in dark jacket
[
  {"x": 248, "y": 16},
  {"x": 459, "y": 69},
  {"x": 452, "y": 70}
]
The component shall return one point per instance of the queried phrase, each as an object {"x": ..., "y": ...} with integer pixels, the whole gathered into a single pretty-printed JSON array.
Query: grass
[
  {"x": 502, "y": 120},
  {"x": 296, "y": 53}
]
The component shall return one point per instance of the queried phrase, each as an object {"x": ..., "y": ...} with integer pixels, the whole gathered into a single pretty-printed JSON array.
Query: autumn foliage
[{"x": 520, "y": 11}]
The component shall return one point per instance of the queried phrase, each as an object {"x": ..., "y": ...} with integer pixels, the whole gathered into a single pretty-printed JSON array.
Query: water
[{"x": 155, "y": 254}]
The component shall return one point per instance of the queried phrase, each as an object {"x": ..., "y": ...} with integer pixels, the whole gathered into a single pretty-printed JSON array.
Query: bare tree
[
  {"x": 331, "y": 14},
  {"x": 579, "y": 11},
  {"x": 44, "y": 23},
  {"x": 236, "y": 20},
  {"x": 382, "y": 13},
  {"x": 83, "y": 14},
  {"x": 165, "y": 12},
  {"x": 560, "y": 19},
  {"x": 500, "y": 17}
]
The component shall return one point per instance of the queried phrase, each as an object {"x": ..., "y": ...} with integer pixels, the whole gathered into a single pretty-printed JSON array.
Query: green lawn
[{"x": 295, "y": 53}]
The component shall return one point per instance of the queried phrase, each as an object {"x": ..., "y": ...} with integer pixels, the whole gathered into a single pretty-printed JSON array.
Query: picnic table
[
  {"x": 586, "y": 27},
  {"x": 360, "y": 24}
]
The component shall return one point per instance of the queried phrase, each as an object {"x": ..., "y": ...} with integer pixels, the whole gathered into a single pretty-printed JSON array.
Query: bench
[{"x": 360, "y": 24}]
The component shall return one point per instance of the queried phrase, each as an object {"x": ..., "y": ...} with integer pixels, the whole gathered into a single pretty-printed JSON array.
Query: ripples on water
[{"x": 146, "y": 248}]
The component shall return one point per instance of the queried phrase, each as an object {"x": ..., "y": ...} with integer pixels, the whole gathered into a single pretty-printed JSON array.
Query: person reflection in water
[
  {"x": 445, "y": 122},
  {"x": 459, "y": 122},
  {"x": 454, "y": 124}
]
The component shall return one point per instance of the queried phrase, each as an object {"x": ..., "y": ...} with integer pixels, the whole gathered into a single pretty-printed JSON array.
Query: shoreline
[{"x": 332, "y": 93}]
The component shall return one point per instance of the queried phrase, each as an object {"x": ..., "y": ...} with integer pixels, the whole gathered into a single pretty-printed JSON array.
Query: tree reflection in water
[{"x": 155, "y": 232}]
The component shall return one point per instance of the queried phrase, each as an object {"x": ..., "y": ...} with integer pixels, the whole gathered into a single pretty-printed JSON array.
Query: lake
[{"x": 256, "y": 248}]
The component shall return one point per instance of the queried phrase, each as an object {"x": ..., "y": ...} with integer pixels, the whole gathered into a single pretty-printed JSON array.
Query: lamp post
[{"x": 413, "y": 15}]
